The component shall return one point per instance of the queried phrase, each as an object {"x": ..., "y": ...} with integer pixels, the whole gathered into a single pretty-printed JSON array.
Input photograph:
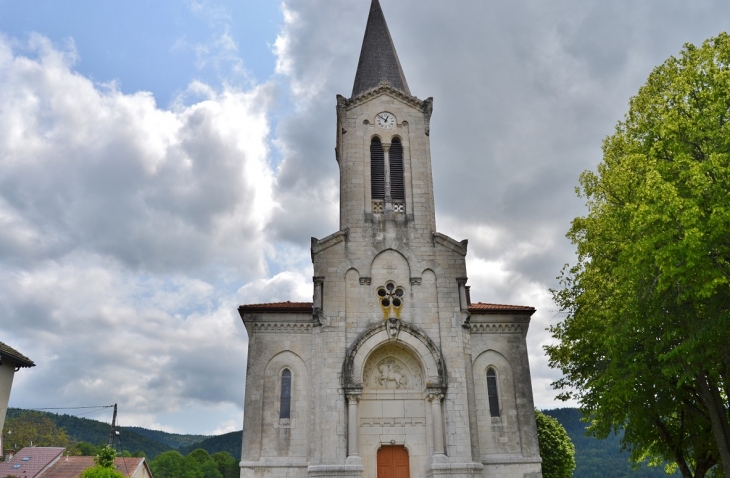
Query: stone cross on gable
[{"x": 390, "y": 267}]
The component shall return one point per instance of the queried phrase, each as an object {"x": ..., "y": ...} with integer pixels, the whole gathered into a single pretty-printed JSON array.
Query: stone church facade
[{"x": 391, "y": 371}]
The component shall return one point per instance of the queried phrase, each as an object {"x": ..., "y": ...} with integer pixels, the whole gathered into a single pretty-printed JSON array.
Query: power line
[{"x": 71, "y": 408}]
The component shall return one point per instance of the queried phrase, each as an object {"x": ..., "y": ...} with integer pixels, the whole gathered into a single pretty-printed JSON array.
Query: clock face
[{"x": 385, "y": 120}]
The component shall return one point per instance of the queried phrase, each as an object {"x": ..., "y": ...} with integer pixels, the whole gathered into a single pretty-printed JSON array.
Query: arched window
[
  {"x": 285, "y": 404},
  {"x": 492, "y": 392},
  {"x": 397, "y": 189},
  {"x": 377, "y": 169}
]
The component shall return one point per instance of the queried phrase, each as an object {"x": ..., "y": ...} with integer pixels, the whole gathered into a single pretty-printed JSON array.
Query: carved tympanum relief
[{"x": 393, "y": 368}]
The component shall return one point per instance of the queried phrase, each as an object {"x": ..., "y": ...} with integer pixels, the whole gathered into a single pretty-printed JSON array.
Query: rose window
[{"x": 391, "y": 299}]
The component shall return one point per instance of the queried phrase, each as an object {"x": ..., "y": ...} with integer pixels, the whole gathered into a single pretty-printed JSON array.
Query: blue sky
[
  {"x": 156, "y": 46},
  {"x": 162, "y": 163}
]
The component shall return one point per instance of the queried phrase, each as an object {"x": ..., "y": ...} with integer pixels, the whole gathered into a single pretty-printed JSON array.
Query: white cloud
[{"x": 122, "y": 225}]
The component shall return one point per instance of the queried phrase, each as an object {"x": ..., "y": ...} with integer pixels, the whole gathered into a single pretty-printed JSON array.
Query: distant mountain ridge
[{"x": 173, "y": 440}]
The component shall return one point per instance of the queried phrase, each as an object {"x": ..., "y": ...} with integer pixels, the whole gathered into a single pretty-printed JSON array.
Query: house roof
[
  {"x": 286, "y": 307},
  {"x": 484, "y": 308},
  {"x": 378, "y": 58},
  {"x": 6, "y": 351},
  {"x": 73, "y": 466},
  {"x": 38, "y": 458}
]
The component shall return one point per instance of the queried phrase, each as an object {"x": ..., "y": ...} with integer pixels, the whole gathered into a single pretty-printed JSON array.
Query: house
[
  {"x": 10, "y": 362},
  {"x": 30, "y": 462},
  {"x": 73, "y": 466}
]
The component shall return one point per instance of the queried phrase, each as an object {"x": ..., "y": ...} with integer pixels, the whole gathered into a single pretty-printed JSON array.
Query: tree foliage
[
  {"x": 106, "y": 457},
  {"x": 104, "y": 465},
  {"x": 33, "y": 427},
  {"x": 556, "y": 448},
  {"x": 644, "y": 344},
  {"x": 101, "y": 472},
  {"x": 198, "y": 464}
]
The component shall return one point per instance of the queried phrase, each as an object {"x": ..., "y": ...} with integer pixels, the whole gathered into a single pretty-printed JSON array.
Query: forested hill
[
  {"x": 594, "y": 457},
  {"x": 135, "y": 439},
  {"x": 173, "y": 440}
]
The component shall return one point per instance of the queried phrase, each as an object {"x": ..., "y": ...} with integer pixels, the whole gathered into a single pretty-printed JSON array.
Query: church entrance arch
[
  {"x": 393, "y": 462},
  {"x": 394, "y": 379}
]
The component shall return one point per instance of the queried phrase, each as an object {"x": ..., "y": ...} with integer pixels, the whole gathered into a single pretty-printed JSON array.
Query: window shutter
[
  {"x": 377, "y": 169},
  {"x": 397, "y": 186}
]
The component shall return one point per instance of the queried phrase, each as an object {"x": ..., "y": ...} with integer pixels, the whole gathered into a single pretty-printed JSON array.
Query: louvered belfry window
[
  {"x": 285, "y": 404},
  {"x": 397, "y": 188},
  {"x": 377, "y": 169}
]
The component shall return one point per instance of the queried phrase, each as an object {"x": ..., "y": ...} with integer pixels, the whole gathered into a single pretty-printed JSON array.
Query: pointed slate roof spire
[{"x": 378, "y": 59}]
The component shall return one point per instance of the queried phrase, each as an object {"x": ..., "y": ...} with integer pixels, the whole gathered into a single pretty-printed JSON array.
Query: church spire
[{"x": 378, "y": 59}]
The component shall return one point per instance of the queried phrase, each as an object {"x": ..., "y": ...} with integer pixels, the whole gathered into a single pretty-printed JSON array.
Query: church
[{"x": 391, "y": 371}]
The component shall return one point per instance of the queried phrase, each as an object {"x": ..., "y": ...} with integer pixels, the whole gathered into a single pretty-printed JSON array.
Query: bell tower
[{"x": 383, "y": 147}]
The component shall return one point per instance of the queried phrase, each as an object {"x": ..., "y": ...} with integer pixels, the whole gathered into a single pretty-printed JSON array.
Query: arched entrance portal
[
  {"x": 394, "y": 380},
  {"x": 393, "y": 462}
]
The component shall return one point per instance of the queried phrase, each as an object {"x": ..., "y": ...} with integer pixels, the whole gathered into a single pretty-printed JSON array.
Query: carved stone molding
[
  {"x": 436, "y": 376},
  {"x": 319, "y": 317},
  {"x": 393, "y": 422},
  {"x": 486, "y": 328},
  {"x": 416, "y": 281},
  {"x": 365, "y": 280},
  {"x": 385, "y": 88},
  {"x": 282, "y": 327},
  {"x": 393, "y": 368},
  {"x": 427, "y": 108}
]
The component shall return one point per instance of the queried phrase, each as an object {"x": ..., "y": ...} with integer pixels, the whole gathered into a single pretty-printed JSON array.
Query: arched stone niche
[
  {"x": 392, "y": 335},
  {"x": 393, "y": 367},
  {"x": 497, "y": 435},
  {"x": 285, "y": 437},
  {"x": 390, "y": 265}
]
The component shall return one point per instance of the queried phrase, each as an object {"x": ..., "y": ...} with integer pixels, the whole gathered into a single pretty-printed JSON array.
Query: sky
[{"x": 162, "y": 163}]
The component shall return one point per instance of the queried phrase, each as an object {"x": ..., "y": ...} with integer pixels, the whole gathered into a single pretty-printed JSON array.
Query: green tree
[
  {"x": 104, "y": 465},
  {"x": 34, "y": 427},
  {"x": 556, "y": 448},
  {"x": 204, "y": 462},
  {"x": 644, "y": 344},
  {"x": 227, "y": 465},
  {"x": 171, "y": 464}
]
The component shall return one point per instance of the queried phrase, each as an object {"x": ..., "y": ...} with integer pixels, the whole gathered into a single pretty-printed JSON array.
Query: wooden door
[{"x": 393, "y": 462}]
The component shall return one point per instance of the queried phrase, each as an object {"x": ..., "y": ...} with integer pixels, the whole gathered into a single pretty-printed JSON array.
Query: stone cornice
[
  {"x": 282, "y": 327},
  {"x": 497, "y": 328},
  {"x": 384, "y": 88}
]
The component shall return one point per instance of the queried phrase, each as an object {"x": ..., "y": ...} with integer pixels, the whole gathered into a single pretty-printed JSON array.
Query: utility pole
[{"x": 113, "y": 431}]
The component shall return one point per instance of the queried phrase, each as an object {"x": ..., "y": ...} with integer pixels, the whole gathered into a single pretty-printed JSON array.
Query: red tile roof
[
  {"x": 38, "y": 459},
  {"x": 484, "y": 308},
  {"x": 10, "y": 353},
  {"x": 73, "y": 466},
  {"x": 291, "y": 307}
]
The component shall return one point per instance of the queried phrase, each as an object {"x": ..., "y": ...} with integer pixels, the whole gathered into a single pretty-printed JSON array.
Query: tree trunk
[{"x": 710, "y": 396}]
